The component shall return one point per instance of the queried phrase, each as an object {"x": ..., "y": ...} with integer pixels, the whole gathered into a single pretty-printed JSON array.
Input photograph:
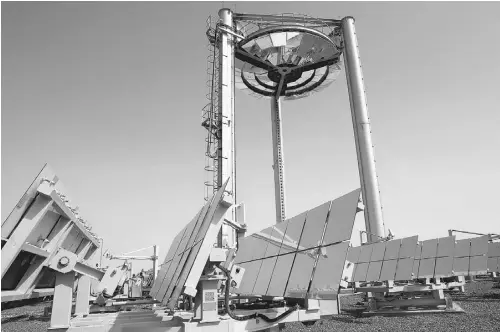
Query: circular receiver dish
[{"x": 287, "y": 61}]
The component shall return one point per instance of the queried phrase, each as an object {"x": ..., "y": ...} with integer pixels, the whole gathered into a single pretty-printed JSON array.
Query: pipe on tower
[{"x": 362, "y": 133}]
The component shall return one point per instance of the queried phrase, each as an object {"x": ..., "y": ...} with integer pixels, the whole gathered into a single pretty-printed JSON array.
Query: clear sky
[{"x": 110, "y": 95}]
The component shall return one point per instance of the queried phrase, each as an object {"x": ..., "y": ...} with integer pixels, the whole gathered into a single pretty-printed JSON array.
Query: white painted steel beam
[{"x": 362, "y": 133}]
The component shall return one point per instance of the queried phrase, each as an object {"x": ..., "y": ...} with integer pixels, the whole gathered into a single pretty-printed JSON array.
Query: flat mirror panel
[
  {"x": 418, "y": 250},
  {"x": 314, "y": 227},
  {"x": 392, "y": 249},
  {"x": 478, "y": 265},
  {"x": 416, "y": 265},
  {"x": 175, "y": 276},
  {"x": 360, "y": 271},
  {"x": 341, "y": 218},
  {"x": 168, "y": 278},
  {"x": 184, "y": 274},
  {"x": 404, "y": 269},
  {"x": 251, "y": 273},
  {"x": 388, "y": 270},
  {"x": 245, "y": 249},
  {"x": 493, "y": 264},
  {"x": 429, "y": 248},
  {"x": 366, "y": 253},
  {"x": 264, "y": 277},
  {"x": 378, "y": 252},
  {"x": 374, "y": 269},
  {"x": 426, "y": 269},
  {"x": 353, "y": 254},
  {"x": 444, "y": 267},
  {"x": 461, "y": 266},
  {"x": 446, "y": 246},
  {"x": 462, "y": 248},
  {"x": 292, "y": 235},
  {"x": 197, "y": 226},
  {"x": 275, "y": 240},
  {"x": 259, "y": 246},
  {"x": 298, "y": 282},
  {"x": 328, "y": 272},
  {"x": 408, "y": 247},
  {"x": 280, "y": 275},
  {"x": 159, "y": 279},
  {"x": 494, "y": 249},
  {"x": 479, "y": 245}
]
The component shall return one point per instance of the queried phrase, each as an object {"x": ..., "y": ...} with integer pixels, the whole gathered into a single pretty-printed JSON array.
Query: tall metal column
[
  {"x": 156, "y": 253},
  {"x": 278, "y": 160},
  {"x": 226, "y": 157},
  {"x": 362, "y": 133}
]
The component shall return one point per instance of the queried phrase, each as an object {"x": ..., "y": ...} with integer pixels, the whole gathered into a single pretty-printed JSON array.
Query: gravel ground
[{"x": 481, "y": 303}]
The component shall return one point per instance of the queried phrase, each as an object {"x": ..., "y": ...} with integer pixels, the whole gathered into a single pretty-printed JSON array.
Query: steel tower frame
[{"x": 359, "y": 112}]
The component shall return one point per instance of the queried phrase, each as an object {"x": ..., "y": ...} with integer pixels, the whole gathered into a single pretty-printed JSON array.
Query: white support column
[
  {"x": 226, "y": 89},
  {"x": 156, "y": 253},
  {"x": 226, "y": 148},
  {"x": 83, "y": 296},
  {"x": 278, "y": 160},
  {"x": 62, "y": 304},
  {"x": 362, "y": 133}
]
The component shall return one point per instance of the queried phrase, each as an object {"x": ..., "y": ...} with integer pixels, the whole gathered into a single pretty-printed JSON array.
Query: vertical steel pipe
[
  {"x": 362, "y": 133},
  {"x": 278, "y": 159},
  {"x": 226, "y": 112},
  {"x": 156, "y": 254},
  {"x": 226, "y": 149}
]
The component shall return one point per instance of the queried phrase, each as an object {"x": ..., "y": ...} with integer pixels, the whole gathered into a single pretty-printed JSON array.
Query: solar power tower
[{"x": 283, "y": 57}]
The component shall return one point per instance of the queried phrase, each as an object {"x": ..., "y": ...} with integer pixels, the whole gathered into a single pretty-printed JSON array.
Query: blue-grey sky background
[{"x": 110, "y": 95}]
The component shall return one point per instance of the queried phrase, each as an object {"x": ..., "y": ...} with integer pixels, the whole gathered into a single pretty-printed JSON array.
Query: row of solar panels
[
  {"x": 302, "y": 255},
  {"x": 189, "y": 252},
  {"x": 407, "y": 259}
]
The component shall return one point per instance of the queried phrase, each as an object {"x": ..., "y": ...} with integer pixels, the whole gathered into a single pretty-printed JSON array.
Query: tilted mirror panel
[
  {"x": 462, "y": 248},
  {"x": 392, "y": 249},
  {"x": 301, "y": 274},
  {"x": 293, "y": 232},
  {"x": 341, "y": 218},
  {"x": 280, "y": 275},
  {"x": 479, "y": 245},
  {"x": 265, "y": 274},
  {"x": 461, "y": 266},
  {"x": 249, "y": 277},
  {"x": 404, "y": 269},
  {"x": 260, "y": 244},
  {"x": 426, "y": 269},
  {"x": 366, "y": 253},
  {"x": 446, "y": 246},
  {"x": 429, "y": 248},
  {"x": 478, "y": 265},
  {"x": 388, "y": 270},
  {"x": 444, "y": 267},
  {"x": 275, "y": 240},
  {"x": 314, "y": 226},
  {"x": 245, "y": 249},
  {"x": 328, "y": 272},
  {"x": 408, "y": 247},
  {"x": 374, "y": 270},
  {"x": 360, "y": 271},
  {"x": 378, "y": 252}
]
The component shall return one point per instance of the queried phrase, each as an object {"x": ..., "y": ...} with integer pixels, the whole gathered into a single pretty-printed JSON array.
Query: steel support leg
[
  {"x": 83, "y": 296},
  {"x": 62, "y": 304},
  {"x": 278, "y": 160},
  {"x": 362, "y": 133}
]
